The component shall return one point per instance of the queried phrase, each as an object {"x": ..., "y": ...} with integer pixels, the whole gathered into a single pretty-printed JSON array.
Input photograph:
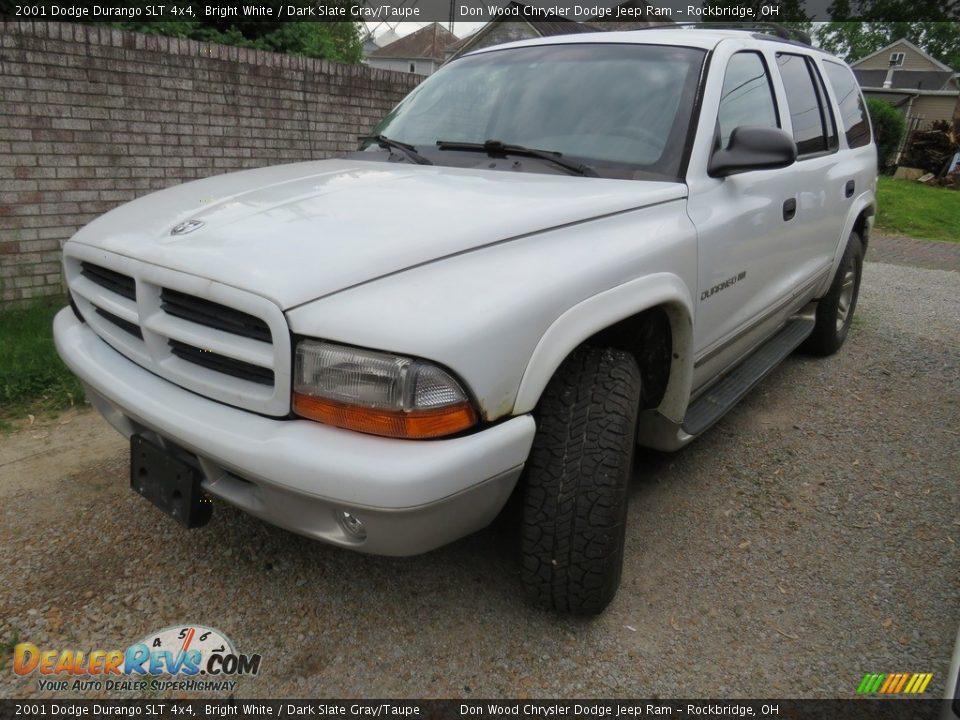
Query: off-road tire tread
[{"x": 576, "y": 482}]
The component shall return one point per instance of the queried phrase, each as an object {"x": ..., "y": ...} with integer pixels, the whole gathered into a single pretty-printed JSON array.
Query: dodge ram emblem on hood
[{"x": 187, "y": 227}]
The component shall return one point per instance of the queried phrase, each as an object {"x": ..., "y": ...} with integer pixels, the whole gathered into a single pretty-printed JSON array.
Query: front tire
[
  {"x": 576, "y": 482},
  {"x": 835, "y": 310}
]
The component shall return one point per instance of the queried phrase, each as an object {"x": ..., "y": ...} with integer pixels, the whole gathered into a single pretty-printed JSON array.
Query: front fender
[
  {"x": 486, "y": 314},
  {"x": 583, "y": 320}
]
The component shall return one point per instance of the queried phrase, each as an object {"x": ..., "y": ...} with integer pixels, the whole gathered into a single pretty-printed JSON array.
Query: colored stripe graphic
[
  {"x": 894, "y": 683},
  {"x": 891, "y": 679},
  {"x": 870, "y": 683}
]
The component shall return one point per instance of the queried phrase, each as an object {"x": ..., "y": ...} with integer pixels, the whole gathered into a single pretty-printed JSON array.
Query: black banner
[
  {"x": 375, "y": 11},
  {"x": 861, "y": 709}
]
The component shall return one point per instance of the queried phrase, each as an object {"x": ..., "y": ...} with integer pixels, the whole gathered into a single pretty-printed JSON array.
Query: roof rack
[{"x": 769, "y": 28}]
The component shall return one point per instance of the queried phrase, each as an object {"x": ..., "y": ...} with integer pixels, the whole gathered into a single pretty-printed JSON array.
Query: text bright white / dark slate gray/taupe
[{"x": 492, "y": 302}]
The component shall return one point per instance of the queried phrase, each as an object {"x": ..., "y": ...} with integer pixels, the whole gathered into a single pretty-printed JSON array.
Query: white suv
[{"x": 549, "y": 252}]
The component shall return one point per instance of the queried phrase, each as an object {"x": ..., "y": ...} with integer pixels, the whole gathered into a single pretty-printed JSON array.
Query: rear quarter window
[{"x": 853, "y": 111}]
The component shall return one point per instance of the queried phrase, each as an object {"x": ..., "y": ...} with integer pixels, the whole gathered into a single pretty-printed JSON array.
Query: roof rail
[{"x": 769, "y": 28}]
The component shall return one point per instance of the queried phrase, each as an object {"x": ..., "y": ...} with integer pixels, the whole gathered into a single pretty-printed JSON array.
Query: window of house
[
  {"x": 853, "y": 112},
  {"x": 896, "y": 59},
  {"x": 413, "y": 67},
  {"x": 747, "y": 96},
  {"x": 813, "y": 127}
]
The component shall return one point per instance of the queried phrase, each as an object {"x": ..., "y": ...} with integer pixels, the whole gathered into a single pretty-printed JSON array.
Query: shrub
[{"x": 888, "y": 128}]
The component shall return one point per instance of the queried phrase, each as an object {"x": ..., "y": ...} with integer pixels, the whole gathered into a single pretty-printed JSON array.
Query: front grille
[
  {"x": 110, "y": 279},
  {"x": 214, "y": 315},
  {"x": 229, "y": 345},
  {"x": 121, "y": 323},
  {"x": 221, "y": 363}
]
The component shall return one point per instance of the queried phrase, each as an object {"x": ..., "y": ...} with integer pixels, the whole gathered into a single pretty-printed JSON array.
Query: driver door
[{"x": 744, "y": 224}]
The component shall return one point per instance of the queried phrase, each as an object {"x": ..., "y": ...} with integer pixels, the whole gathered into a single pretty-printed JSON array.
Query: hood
[{"x": 294, "y": 233}]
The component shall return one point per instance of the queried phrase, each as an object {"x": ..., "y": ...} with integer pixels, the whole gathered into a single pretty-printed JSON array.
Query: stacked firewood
[{"x": 936, "y": 151}]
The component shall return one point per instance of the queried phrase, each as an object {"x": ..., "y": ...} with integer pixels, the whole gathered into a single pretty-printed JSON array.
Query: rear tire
[
  {"x": 576, "y": 482},
  {"x": 835, "y": 310}
]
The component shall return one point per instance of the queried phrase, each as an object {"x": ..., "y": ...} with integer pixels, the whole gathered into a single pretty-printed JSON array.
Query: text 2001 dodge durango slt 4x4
[{"x": 549, "y": 252}]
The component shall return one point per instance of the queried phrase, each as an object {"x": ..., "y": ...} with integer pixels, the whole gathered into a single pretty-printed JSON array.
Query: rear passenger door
[
  {"x": 822, "y": 184},
  {"x": 857, "y": 166}
]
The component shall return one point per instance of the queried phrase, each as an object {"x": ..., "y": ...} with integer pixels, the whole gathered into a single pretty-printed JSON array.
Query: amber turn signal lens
[{"x": 411, "y": 424}]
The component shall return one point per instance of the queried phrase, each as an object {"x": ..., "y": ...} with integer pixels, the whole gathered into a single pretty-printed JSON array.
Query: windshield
[{"x": 622, "y": 109}]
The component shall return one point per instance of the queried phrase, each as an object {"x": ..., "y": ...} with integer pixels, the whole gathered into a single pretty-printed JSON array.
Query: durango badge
[{"x": 187, "y": 227}]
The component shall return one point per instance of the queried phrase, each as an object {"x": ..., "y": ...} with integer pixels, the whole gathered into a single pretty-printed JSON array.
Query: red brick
[{"x": 95, "y": 116}]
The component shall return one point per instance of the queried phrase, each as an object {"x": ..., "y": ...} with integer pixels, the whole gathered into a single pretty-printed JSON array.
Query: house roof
[
  {"x": 383, "y": 39},
  {"x": 545, "y": 26},
  {"x": 903, "y": 41},
  {"x": 905, "y": 79},
  {"x": 427, "y": 42},
  {"x": 454, "y": 47},
  {"x": 550, "y": 25}
]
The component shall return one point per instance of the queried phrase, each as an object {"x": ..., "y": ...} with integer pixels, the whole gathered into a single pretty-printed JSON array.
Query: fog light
[{"x": 352, "y": 525}]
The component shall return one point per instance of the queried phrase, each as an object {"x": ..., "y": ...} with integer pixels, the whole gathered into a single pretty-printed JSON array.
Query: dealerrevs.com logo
[{"x": 186, "y": 653}]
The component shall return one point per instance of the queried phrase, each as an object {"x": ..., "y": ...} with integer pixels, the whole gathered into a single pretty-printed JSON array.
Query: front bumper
[{"x": 412, "y": 496}]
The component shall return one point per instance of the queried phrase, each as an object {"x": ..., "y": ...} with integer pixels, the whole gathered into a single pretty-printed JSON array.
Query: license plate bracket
[{"x": 168, "y": 482}]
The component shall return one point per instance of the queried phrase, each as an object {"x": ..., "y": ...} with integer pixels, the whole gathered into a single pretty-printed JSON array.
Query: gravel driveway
[{"x": 809, "y": 538}]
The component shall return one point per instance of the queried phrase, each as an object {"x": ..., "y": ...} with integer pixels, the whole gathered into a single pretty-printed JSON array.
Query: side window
[
  {"x": 853, "y": 113},
  {"x": 829, "y": 122},
  {"x": 812, "y": 119},
  {"x": 747, "y": 96}
]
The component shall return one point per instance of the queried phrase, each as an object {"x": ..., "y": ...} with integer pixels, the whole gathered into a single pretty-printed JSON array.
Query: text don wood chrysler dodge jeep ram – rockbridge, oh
[{"x": 548, "y": 253}]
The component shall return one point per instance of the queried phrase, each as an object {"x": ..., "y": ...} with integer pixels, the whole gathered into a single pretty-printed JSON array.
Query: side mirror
[{"x": 753, "y": 148}]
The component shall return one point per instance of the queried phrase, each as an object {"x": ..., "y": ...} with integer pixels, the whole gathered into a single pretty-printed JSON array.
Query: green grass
[
  {"x": 33, "y": 379},
  {"x": 918, "y": 211}
]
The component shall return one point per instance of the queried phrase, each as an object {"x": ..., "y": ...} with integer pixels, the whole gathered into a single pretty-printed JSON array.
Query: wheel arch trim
[
  {"x": 865, "y": 204},
  {"x": 603, "y": 310}
]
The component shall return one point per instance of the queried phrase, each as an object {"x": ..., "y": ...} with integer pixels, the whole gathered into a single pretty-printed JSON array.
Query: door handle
[
  {"x": 789, "y": 209},
  {"x": 850, "y": 187}
]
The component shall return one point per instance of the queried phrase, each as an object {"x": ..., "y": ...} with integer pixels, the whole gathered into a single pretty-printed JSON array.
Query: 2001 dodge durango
[{"x": 549, "y": 252}]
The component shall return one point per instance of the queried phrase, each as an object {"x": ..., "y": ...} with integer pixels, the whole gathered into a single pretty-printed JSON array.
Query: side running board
[{"x": 715, "y": 402}]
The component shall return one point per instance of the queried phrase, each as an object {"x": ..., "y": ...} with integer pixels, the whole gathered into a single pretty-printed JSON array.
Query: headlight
[{"x": 377, "y": 393}]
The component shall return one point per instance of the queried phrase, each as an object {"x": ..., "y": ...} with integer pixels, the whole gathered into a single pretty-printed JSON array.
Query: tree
[
  {"x": 856, "y": 40},
  {"x": 888, "y": 128},
  {"x": 789, "y": 13}
]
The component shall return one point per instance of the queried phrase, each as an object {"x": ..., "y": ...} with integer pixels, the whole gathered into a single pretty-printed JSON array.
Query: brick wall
[{"x": 92, "y": 117}]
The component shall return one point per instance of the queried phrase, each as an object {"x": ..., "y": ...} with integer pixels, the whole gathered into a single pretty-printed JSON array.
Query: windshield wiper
[
  {"x": 390, "y": 144},
  {"x": 496, "y": 146}
]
